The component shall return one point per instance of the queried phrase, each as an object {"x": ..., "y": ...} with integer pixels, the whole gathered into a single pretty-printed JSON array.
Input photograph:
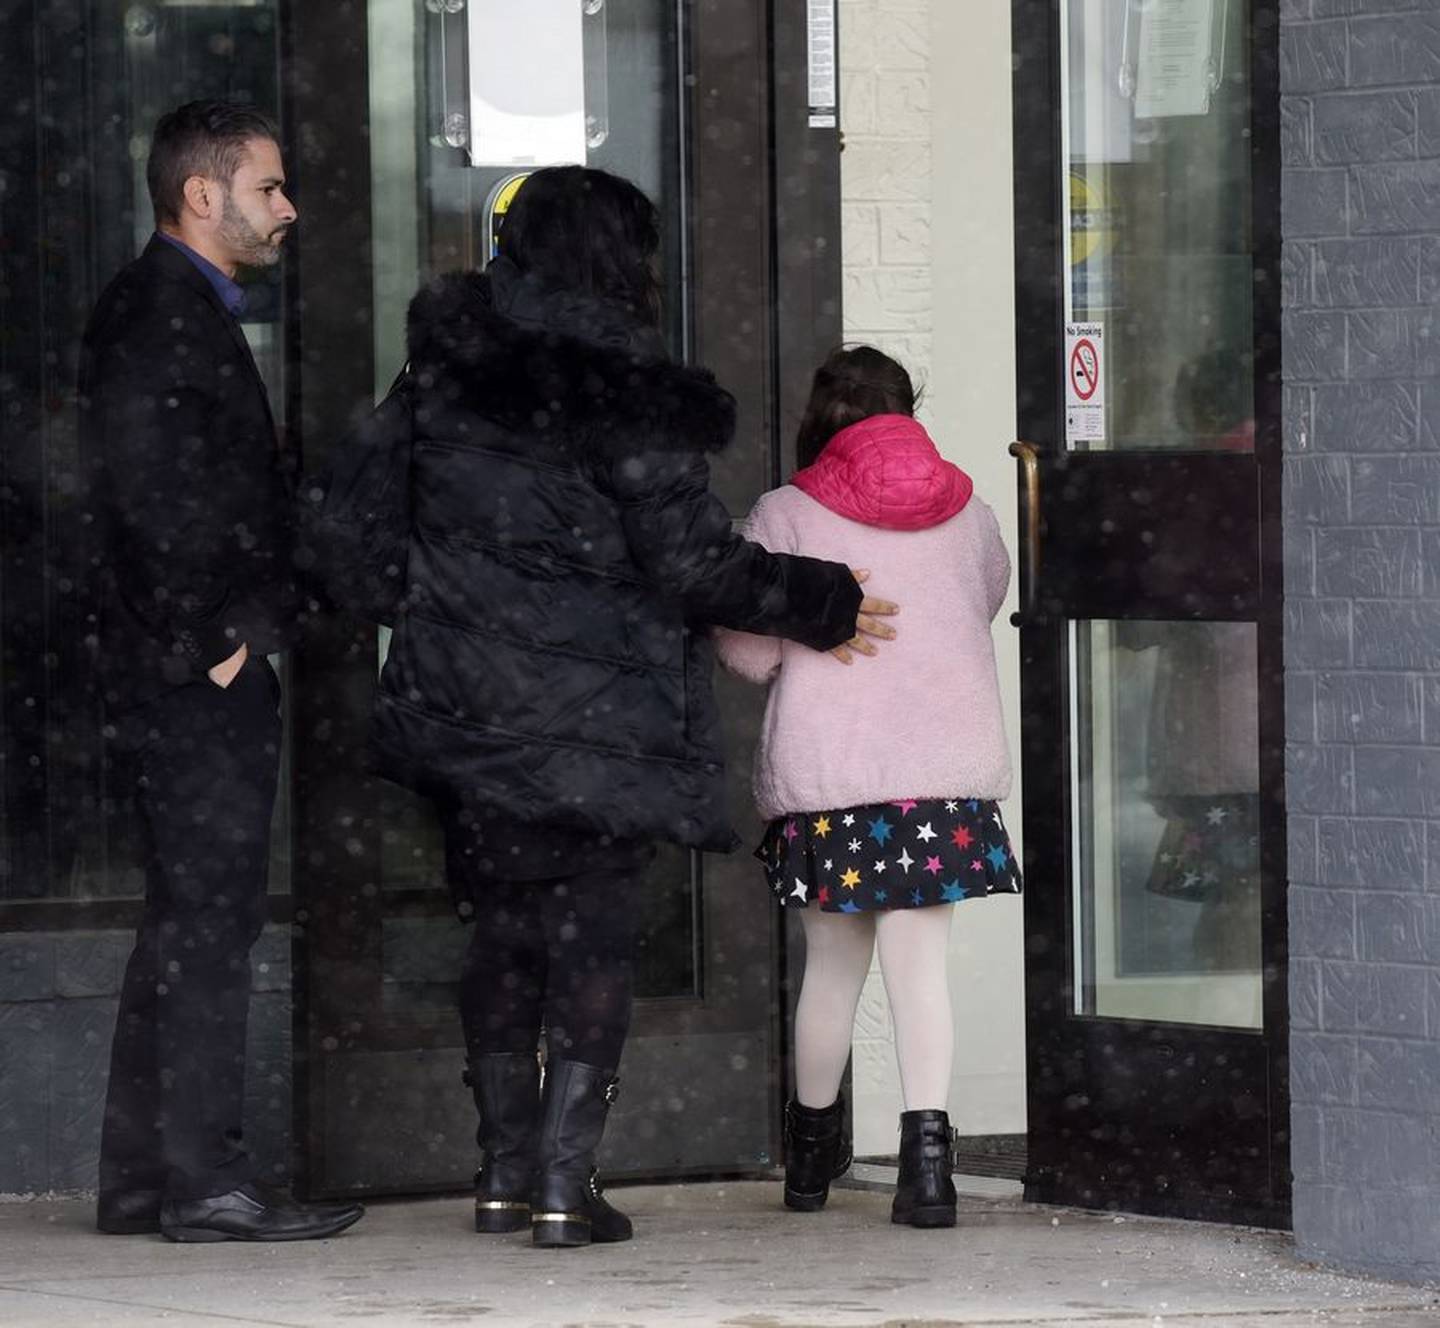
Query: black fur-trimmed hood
[{"x": 576, "y": 367}]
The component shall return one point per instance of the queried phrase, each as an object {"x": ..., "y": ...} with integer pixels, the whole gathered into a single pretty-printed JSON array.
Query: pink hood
[{"x": 886, "y": 472}]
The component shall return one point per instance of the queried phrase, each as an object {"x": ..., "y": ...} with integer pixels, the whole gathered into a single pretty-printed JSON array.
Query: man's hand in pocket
[{"x": 224, "y": 673}]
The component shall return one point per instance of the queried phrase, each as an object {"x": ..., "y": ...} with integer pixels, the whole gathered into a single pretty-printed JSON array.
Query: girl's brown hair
[{"x": 854, "y": 383}]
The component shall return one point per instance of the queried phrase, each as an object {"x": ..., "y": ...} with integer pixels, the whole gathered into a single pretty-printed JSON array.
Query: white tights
[{"x": 913, "y": 944}]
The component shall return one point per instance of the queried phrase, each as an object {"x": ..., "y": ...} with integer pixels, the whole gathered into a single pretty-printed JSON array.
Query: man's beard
[{"x": 246, "y": 243}]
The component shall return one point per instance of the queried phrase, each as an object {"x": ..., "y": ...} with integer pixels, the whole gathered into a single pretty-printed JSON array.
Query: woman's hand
[{"x": 867, "y": 624}]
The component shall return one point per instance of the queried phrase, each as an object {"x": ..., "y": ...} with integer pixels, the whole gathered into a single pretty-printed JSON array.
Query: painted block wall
[
  {"x": 1361, "y": 147},
  {"x": 58, "y": 995},
  {"x": 928, "y": 263}
]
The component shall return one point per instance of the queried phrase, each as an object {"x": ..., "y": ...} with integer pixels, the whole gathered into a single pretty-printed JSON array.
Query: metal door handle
[{"x": 1028, "y": 455}]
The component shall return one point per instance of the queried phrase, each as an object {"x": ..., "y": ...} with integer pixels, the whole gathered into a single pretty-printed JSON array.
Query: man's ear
[{"x": 201, "y": 196}]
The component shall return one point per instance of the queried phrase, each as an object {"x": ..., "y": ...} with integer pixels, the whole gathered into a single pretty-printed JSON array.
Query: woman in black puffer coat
[{"x": 548, "y": 683}]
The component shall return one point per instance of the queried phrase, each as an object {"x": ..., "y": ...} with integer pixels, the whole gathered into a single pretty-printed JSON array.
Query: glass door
[
  {"x": 1148, "y": 305},
  {"x": 675, "y": 98}
]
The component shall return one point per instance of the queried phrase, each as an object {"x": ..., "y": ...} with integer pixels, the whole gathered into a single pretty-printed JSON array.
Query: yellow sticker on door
[
  {"x": 501, "y": 197},
  {"x": 1093, "y": 272}
]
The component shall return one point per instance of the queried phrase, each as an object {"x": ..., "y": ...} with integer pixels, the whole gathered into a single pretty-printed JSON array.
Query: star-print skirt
[
  {"x": 909, "y": 854},
  {"x": 1210, "y": 848}
]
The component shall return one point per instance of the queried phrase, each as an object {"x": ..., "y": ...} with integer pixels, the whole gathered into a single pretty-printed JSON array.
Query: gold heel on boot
[
  {"x": 507, "y": 1097},
  {"x": 559, "y": 1231},
  {"x": 497, "y": 1217},
  {"x": 567, "y": 1206}
]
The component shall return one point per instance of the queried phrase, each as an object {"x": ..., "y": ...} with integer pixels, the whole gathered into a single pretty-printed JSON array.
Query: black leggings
[{"x": 559, "y": 950}]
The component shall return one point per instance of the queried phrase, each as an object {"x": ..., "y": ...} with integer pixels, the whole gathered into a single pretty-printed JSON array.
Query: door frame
[{"x": 1071, "y": 1158}]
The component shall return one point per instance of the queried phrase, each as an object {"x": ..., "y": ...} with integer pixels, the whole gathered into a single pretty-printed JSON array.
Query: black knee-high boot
[
  {"x": 507, "y": 1095},
  {"x": 816, "y": 1152},
  {"x": 924, "y": 1191},
  {"x": 566, "y": 1205}
]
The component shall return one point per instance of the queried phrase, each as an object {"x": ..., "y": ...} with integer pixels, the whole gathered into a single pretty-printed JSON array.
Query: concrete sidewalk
[{"x": 723, "y": 1254}]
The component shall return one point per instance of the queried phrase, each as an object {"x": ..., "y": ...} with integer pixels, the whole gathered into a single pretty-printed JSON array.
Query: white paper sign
[
  {"x": 527, "y": 83},
  {"x": 823, "y": 62},
  {"x": 1173, "y": 77},
  {"x": 1084, "y": 382}
]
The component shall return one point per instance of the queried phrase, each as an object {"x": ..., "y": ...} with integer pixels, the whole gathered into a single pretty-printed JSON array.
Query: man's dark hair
[
  {"x": 854, "y": 383},
  {"x": 578, "y": 229},
  {"x": 200, "y": 138}
]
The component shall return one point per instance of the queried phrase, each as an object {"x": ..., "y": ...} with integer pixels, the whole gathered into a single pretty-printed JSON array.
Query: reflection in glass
[
  {"x": 97, "y": 84},
  {"x": 1159, "y": 246},
  {"x": 430, "y": 216},
  {"x": 1167, "y": 814}
]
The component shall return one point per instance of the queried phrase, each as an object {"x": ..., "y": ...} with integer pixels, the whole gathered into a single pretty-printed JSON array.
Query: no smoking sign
[
  {"x": 1084, "y": 382},
  {"x": 1085, "y": 369}
]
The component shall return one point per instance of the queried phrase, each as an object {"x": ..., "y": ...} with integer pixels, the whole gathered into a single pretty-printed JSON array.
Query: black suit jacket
[{"x": 189, "y": 490}]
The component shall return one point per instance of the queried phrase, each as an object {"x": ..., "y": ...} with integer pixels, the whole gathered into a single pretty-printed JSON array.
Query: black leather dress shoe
[
  {"x": 128, "y": 1212},
  {"x": 248, "y": 1213}
]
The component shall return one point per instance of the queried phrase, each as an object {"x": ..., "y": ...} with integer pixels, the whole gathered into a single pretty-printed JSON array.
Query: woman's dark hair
[
  {"x": 854, "y": 383},
  {"x": 206, "y": 138},
  {"x": 578, "y": 229}
]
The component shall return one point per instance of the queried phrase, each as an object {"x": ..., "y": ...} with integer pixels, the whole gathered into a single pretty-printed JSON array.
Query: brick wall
[
  {"x": 1361, "y": 147},
  {"x": 886, "y": 176}
]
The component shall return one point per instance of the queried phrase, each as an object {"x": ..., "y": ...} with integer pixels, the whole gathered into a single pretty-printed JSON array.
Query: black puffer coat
[{"x": 565, "y": 557}]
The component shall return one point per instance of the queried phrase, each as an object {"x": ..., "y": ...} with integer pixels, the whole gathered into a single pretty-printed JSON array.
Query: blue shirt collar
[{"x": 231, "y": 293}]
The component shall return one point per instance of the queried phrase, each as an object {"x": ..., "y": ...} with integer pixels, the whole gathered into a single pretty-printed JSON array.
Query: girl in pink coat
[{"x": 881, "y": 784}]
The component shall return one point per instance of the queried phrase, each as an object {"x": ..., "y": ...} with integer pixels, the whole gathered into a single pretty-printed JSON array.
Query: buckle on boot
[
  {"x": 610, "y": 1092},
  {"x": 791, "y": 1129}
]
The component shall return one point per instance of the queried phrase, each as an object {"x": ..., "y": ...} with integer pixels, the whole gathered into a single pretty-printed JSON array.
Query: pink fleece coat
[{"x": 922, "y": 718}]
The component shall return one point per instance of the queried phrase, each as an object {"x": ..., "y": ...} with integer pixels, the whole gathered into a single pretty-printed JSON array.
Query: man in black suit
[{"x": 198, "y": 586}]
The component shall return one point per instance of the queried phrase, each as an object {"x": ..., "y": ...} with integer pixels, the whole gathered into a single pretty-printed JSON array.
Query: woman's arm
[
  {"x": 680, "y": 536},
  {"x": 756, "y": 658}
]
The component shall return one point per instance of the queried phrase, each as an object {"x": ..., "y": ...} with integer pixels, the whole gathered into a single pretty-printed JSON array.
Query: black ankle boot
[
  {"x": 924, "y": 1192},
  {"x": 507, "y": 1096},
  {"x": 566, "y": 1206},
  {"x": 816, "y": 1152}
]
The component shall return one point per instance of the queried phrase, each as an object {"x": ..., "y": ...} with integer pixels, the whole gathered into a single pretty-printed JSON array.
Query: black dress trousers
[{"x": 208, "y": 762}]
